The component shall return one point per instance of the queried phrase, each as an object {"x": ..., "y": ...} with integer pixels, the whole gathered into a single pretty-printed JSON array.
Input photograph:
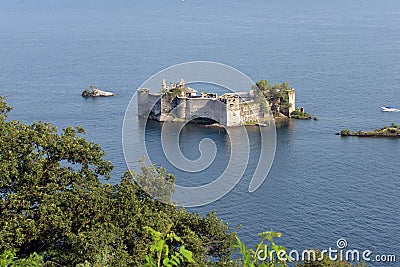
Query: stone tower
[
  {"x": 143, "y": 96},
  {"x": 292, "y": 100},
  {"x": 182, "y": 84},
  {"x": 232, "y": 111},
  {"x": 181, "y": 107},
  {"x": 164, "y": 86}
]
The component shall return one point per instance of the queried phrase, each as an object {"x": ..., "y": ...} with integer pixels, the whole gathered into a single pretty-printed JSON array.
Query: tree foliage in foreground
[
  {"x": 262, "y": 255},
  {"x": 9, "y": 259},
  {"x": 53, "y": 203}
]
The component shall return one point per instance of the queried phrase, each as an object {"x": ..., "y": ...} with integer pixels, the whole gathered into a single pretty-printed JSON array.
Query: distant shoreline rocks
[
  {"x": 95, "y": 92},
  {"x": 392, "y": 131},
  {"x": 300, "y": 114}
]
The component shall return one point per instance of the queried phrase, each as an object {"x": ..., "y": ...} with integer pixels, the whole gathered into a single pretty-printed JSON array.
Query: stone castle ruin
[{"x": 177, "y": 102}]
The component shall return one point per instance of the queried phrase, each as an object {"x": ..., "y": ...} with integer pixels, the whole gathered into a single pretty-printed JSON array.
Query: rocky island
[
  {"x": 95, "y": 92},
  {"x": 300, "y": 114},
  {"x": 281, "y": 100},
  {"x": 178, "y": 102},
  {"x": 392, "y": 131}
]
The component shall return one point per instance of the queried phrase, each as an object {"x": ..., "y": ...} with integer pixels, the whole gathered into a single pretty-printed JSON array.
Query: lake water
[{"x": 342, "y": 57}]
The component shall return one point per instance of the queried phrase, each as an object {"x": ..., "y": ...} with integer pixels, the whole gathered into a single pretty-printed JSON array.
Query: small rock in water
[{"x": 95, "y": 92}]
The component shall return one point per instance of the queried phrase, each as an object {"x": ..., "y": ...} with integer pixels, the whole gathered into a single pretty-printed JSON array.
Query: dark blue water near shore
[{"x": 341, "y": 56}]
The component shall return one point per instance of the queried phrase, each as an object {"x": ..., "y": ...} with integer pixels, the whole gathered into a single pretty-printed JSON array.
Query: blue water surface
[{"x": 341, "y": 56}]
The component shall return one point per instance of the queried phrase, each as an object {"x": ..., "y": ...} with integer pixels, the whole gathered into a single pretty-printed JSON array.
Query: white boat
[{"x": 390, "y": 109}]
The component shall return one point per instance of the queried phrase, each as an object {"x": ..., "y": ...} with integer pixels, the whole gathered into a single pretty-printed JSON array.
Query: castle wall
[
  {"x": 250, "y": 112},
  {"x": 149, "y": 105},
  {"x": 181, "y": 103},
  {"x": 233, "y": 111},
  {"x": 143, "y": 95},
  {"x": 154, "y": 102},
  {"x": 165, "y": 108},
  {"x": 292, "y": 100},
  {"x": 208, "y": 108},
  {"x": 228, "y": 110}
]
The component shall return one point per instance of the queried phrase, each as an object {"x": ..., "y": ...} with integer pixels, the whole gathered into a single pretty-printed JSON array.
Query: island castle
[{"x": 178, "y": 102}]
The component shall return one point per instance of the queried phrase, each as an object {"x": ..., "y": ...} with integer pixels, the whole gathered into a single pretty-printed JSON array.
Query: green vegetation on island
[
  {"x": 277, "y": 96},
  {"x": 281, "y": 99},
  {"x": 299, "y": 114},
  {"x": 387, "y": 131},
  {"x": 89, "y": 92},
  {"x": 251, "y": 123}
]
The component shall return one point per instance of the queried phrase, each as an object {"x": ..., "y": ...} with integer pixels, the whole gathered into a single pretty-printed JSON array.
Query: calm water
[{"x": 341, "y": 56}]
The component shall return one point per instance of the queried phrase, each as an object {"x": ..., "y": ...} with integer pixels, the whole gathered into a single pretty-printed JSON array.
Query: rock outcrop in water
[
  {"x": 300, "y": 114},
  {"x": 95, "y": 92},
  {"x": 387, "y": 131}
]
